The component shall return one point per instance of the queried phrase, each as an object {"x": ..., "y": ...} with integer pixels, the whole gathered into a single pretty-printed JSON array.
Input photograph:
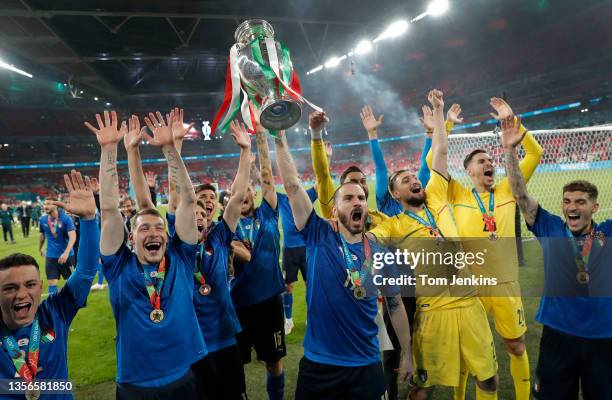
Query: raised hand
[
  {"x": 95, "y": 186},
  {"x": 240, "y": 134},
  {"x": 454, "y": 114},
  {"x": 427, "y": 120},
  {"x": 108, "y": 133},
  {"x": 80, "y": 196},
  {"x": 436, "y": 98},
  {"x": 503, "y": 109},
  {"x": 510, "y": 132},
  {"x": 178, "y": 129},
  {"x": 134, "y": 134},
  {"x": 328, "y": 150},
  {"x": 162, "y": 133},
  {"x": 317, "y": 120},
  {"x": 369, "y": 121},
  {"x": 151, "y": 178}
]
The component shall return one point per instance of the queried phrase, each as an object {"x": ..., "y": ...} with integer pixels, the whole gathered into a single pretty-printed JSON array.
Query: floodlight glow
[
  {"x": 317, "y": 69},
  {"x": 14, "y": 69},
  {"x": 394, "y": 30},
  {"x": 95, "y": 98},
  {"x": 363, "y": 47},
  {"x": 332, "y": 62},
  {"x": 437, "y": 7}
]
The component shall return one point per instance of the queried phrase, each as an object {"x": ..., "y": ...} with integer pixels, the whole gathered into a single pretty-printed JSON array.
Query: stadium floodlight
[
  {"x": 95, "y": 98},
  {"x": 332, "y": 62},
  {"x": 394, "y": 30},
  {"x": 317, "y": 69},
  {"x": 437, "y": 7},
  {"x": 14, "y": 69},
  {"x": 108, "y": 104},
  {"x": 363, "y": 47}
]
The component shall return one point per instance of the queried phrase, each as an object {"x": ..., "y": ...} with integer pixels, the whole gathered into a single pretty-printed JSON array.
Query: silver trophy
[{"x": 278, "y": 111}]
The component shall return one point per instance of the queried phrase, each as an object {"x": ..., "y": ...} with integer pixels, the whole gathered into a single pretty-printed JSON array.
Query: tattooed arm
[
  {"x": 301, "y": 206},
  {"x": 510, "y": 138},
  {"x": 109, "y": 135},
  {"x": 400, "y": 323},
  {"x": 185, "y": 224}
]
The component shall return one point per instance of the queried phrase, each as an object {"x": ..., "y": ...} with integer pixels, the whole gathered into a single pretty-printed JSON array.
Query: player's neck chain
[
  {"x": 430, "y": 224},
  {"x": 582, "y": 253},
  {"x": 26, "y": 369},
  {"x": 202, "y": 257},
  {"x": 487, "y": 217}
]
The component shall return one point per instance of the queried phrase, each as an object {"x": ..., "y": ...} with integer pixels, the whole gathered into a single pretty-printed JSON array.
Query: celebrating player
[
  {"x": 58, "y": 230},
  {"x": 576, "y": 345},
  {"x": 257, "y": 284},
  {"x": 35, "y": 333},
  {"x": 341, "y": 352},
  {"x": 151, "y": 289},
  {"x": 454, "y": 310},
  {"x": 485, "y": 216}
]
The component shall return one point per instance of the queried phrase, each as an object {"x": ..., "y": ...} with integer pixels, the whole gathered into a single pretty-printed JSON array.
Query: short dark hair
[
  {"x": 393, "y": 178},
  {"x": 582, "y": 186},
  {"x": 335, "y": 196},
  {"x": 16, "y": 260},
  {"x": 223, "y": 195},
  {"x": 145, "y": 211},
  {"x": 352, "y": 168},
  {"x": 206, "y": 186},
  {"x": 468, "y": 158}
]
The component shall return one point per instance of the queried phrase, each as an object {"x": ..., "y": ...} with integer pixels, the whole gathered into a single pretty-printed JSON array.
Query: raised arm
[
  {"x": 185, "y": 224},
  {"x": 132, "y": 141},
  {"x": 371, "y": 125},
  {"x": 231, "y": 215},
  {"x": 320, "y": 163},
  {"x": 268, "y": 191},
  {"x": 108, "y": 135},
  {"x": 301, "y": 206},
  {"x": 439, "y": 140},
  {"x": 178, "y": 133},
  {"x": 82, "y": 204},
  {"x": 510, "y": 138}
]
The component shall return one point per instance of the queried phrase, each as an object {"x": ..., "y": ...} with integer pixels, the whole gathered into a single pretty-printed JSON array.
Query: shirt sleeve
[
  {"x": 437, "y": 191},
  {"x": 316, "y": 229},
  {"x": 325, "y": 186},
  {"x": 265, "y": 211},
  {"x": 384, "y": 232},
  {"x": 222, "y": 234},
  {"x": 312, "y": 194},
  {"x": 113, "y": 264},
  {"x": 185, "y": 251},
  {"x": 69, "y": 223},
  {"x": 382, "y": 175},
  {"x": 88, "y": 256},
  {"x": 424, "y": 172},
  {"x": 545, "y": 223}
]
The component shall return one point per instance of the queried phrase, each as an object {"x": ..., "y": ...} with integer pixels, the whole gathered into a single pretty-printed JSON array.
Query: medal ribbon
[
  {"x": 26, "y": 370},
  {"x": 582, "y": 255},
  {"x": 53, "y": 225},
  {"x": 357, "y": 276},
  {"x": 154, "y": 289},
  {"x": 488, "y": 218},
  {"x": 200, "y": 258},
  {"x": 429, "y": 224},
  {"x": 252, "y": 232}
]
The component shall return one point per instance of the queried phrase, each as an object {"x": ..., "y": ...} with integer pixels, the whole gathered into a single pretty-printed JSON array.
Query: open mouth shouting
[
  {"x": 22, "y": 309},
  {"x": 357, "y": 215},
  {"x": 573, "y": 220},
  {"x": 416, "y": 188},
  {"x": 153, "y": 248}
]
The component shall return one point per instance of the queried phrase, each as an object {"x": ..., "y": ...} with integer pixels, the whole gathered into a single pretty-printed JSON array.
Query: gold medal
[
  {"x": 156, "y": 316},
  {"x": 583, "y": 277},
  {"x": 204, "y": 289},
  {"x": 32, "y": 394},
  {"x": 359, "y": 292}
]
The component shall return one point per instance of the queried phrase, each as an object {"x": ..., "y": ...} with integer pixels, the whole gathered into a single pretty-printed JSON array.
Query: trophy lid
[{"x": 252, "y": 28}]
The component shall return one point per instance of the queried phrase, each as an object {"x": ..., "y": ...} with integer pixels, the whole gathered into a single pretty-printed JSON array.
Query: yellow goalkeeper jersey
[
  {"x": 404, "y": 232},
  {"x": 502, "y": 260}
]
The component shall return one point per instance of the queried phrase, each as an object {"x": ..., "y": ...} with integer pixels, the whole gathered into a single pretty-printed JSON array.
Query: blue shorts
[{"x": 54, "y": 269}]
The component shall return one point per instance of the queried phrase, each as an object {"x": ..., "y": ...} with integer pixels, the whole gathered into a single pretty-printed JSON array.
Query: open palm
[
  {"x": 108, "y": 132},
  {"x": 80, "y": 196}
]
